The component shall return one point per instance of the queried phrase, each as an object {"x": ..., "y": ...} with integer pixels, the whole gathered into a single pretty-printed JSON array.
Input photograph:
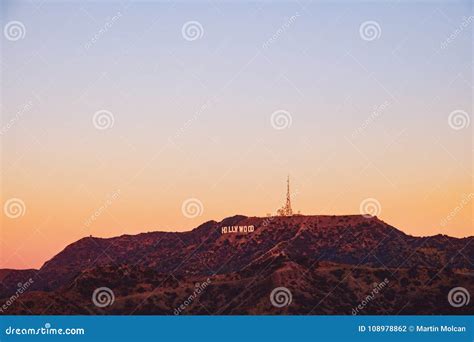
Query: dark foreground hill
[{"x": 317, "y": 264}]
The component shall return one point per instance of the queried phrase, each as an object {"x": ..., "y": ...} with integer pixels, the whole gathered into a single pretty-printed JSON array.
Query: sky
[{"x": 135, "y": 116}]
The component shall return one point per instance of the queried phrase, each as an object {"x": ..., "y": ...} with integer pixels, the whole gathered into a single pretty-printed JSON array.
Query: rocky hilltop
[{"x": 328, "y": 264}]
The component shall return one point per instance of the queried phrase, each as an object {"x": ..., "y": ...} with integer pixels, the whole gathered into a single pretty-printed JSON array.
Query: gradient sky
[{"x": 192, "y": 119}]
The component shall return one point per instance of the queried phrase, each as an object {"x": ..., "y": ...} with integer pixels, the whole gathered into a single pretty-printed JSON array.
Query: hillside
[{"x": 329, "y": 263}]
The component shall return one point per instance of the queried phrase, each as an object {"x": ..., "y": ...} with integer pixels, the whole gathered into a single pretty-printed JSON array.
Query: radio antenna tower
[{"x": 286, "y": 209}]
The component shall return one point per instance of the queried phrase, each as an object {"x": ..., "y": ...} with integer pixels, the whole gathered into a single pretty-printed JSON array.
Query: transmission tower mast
[{"x": 286, "y": 209}]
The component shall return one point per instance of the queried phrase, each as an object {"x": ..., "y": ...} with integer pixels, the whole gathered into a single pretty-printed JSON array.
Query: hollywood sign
[{"x": 237, "y": 229}]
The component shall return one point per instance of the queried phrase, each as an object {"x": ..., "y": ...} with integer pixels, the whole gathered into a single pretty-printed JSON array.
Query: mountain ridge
[{"x": 279, "y": 246}]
